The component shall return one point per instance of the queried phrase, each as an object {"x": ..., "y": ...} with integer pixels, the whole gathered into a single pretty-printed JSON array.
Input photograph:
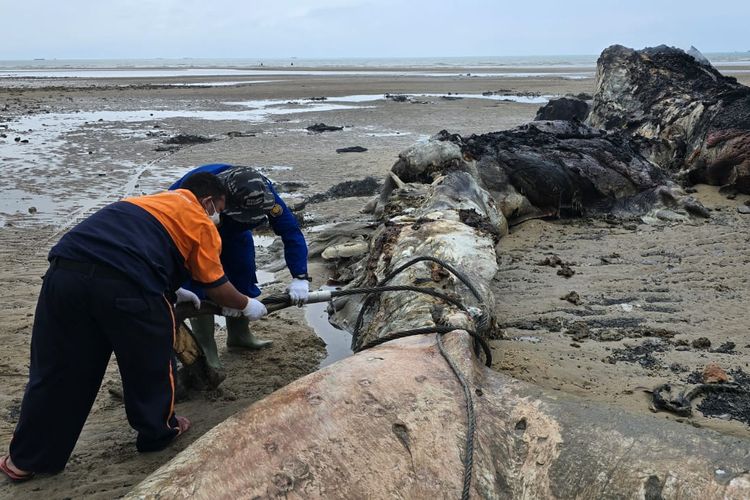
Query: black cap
[{"x": 248, "y": 195}]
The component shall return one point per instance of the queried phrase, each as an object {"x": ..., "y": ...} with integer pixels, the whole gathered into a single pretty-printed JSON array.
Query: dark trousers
[{"x": 81, "y": 317}]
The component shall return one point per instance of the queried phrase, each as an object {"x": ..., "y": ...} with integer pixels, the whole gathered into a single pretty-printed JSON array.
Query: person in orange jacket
[{"x": 110, "y": 287}]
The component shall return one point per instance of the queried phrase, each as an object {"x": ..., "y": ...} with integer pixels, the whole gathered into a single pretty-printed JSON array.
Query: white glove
[
  {"x": 231, "y": 313},
  {"x": 298, "y": 291},
  {"x": 187, "y": 296},
  {"x": 254, "y": 310}
]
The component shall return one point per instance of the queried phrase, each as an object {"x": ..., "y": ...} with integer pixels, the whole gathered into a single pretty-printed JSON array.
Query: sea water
[{"x": 210, "y": 65}]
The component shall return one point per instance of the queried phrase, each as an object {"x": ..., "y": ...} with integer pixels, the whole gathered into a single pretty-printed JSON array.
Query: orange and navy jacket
[{"x": 159, "y": 241}]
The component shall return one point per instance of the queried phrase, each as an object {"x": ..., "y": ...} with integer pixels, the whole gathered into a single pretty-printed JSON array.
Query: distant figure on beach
[
  {"x": 251, "y": 201},
  {"x": 110, "y": 286}
]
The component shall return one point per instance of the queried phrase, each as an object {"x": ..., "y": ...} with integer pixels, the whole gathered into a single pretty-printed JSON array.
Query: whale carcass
[
  {"x": 392, "y": 421},
  {"x": 686, "y": 116}
]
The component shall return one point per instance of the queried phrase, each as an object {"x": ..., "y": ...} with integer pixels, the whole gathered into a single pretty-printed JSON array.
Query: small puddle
[{"x": 338, "y": 342}]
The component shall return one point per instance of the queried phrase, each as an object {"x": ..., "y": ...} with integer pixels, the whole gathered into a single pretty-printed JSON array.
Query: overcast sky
[{"x": 70, "y": 29}]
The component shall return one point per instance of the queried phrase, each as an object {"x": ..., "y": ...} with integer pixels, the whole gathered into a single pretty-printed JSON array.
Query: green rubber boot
[
  {"x": 203, "y": 331},
  {"x": 239, "y": 335}
]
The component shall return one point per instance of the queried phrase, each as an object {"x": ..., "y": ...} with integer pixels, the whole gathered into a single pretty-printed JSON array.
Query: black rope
[
  {"x": 402, "y": 288},
  {"x": 469, "y": 401},
  {"x": 482, "y": 326},
  {"x": 441, "y": 330},
  {"x": 471, "y": 421},
  {"x": 482, "y": 322},
  {"x": 368, "y": 300},
  {"x": 447, "y": 266}
]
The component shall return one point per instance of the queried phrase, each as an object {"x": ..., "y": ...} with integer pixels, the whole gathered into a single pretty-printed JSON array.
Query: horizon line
[{"x": 328, "y": 58}]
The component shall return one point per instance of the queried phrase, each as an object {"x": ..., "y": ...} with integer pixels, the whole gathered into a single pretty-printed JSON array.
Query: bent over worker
[
  {"x": 110, "y": 287},
  {"x": 251, "y": 201}
]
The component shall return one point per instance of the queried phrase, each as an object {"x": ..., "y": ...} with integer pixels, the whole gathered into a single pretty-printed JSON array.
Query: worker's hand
[
  {"x": 298, "y": 291},
  {"x": 254, "y": 310},
  {"x": 187, "y": 296}
]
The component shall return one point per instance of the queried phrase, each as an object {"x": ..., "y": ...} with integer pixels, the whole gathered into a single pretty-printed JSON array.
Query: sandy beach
[{"x": 647, "y": 288}]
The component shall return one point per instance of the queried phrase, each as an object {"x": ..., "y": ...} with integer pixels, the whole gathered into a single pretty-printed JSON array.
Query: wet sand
[{"x": 94, "y": 141}]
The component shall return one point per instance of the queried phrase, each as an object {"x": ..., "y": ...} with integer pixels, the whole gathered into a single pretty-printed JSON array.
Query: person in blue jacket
[{"x": 251, "y": 201}]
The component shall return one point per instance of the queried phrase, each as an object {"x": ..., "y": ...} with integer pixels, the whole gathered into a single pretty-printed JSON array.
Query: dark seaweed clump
[
  {"x": 364, "y": 187},
  {"x": 185, "y": 139},
  {"x": 734, "y": 405},
  {"x": 641, "y": 354}
]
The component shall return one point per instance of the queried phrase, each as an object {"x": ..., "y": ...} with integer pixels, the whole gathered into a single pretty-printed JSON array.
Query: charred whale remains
[
  {"x": 544, "y": 168},
  {"x": 686, "y": 116}
]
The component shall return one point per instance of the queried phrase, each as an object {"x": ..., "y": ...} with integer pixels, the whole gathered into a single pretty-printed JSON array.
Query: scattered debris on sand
[
  {"x": 641, "y": 354},
  {"x": 188, "y": 139},
  {"x": 721, "y": 398},
  {"x": 732, "y": 404},
  {"x": 701, "y": 343},
  {"x": 347, "y": 189},
  {"x": 322, "y": 127},
  {"x": 572, "y": 297},
  {"x": 714, "y": 374},
  {"x": 235, "y": 133},
  {"x": 352, "y": 149},
  {"x": 397, "y": 97},
  {"x": 566, "y": 269}
]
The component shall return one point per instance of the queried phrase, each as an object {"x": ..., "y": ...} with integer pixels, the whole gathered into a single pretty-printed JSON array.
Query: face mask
[{"x": 216, "y": 216}]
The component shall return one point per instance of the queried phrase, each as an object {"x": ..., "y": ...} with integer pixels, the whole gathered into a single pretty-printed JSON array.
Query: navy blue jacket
[{"x": 238, "y": 248}]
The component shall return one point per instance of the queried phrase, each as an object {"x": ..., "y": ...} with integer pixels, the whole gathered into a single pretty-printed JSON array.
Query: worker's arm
[
  {"x": 206, "y": 267},
  {"x": 234, "y": 303},
  {"x": 226, "y": 295},
  {"x": 284, "y": 224}
]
